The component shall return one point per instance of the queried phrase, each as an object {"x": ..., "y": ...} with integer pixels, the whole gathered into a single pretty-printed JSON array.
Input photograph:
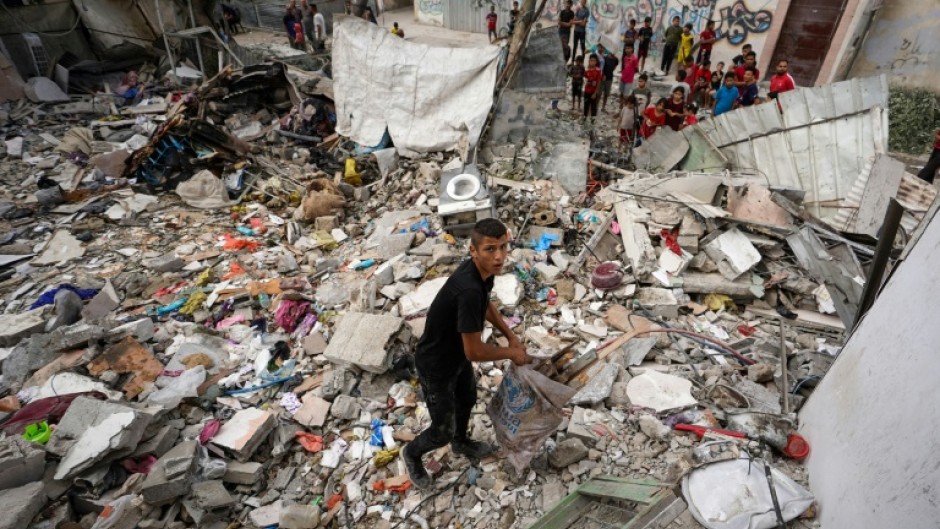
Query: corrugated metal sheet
[
  {"x": 470, "y": 15},
  {"x": 823, "y": 142}
]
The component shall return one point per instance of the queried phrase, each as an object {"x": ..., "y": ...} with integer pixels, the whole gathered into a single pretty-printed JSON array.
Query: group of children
[
  {"x": 696, "y": 87},
  {"x": 492, "y": 17}
]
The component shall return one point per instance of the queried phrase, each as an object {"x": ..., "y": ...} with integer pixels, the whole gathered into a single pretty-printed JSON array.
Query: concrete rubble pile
[{"x": 209, "y": 313}]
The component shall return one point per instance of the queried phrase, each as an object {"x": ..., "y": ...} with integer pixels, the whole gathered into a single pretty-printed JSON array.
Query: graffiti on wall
[
  {"x": 430, "y": 12},
  {"x": 736, "y": 21}
]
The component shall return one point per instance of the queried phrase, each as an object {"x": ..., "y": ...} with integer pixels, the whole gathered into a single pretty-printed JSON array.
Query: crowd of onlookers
[{"x": 699, "y": 88}]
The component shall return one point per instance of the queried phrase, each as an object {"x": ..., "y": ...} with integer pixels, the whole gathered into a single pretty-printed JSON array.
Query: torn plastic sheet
[
  {"x": 430, "y": 99},
  {"x": 736, "y": 495}
]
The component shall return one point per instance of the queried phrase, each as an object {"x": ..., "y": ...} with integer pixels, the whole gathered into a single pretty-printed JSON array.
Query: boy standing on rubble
[
  {"x": 451, "y": 341},
  {"x": 491, "y": 23}
]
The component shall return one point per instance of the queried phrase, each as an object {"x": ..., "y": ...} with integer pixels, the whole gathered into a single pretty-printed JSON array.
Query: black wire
[{"x": 432, "y": 496}]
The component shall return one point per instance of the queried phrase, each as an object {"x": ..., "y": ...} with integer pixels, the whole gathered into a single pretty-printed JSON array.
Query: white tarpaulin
[{"x": 429, "y": 99}]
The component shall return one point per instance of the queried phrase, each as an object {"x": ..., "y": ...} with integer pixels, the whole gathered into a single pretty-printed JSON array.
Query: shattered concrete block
[
  {"x": 171, "y": 476},
  {"x": 547, "y": 273},
  {"x": 14, "y": 327},
  {"x": 576, "y": 426},
  {"x": 129, "y": 356},
  {"x": 598, "y": 386},
  {"x": 92, "y": 431},
  {"x": 21, "y": 462},
  {"x": 266, "y": 516},
  {"x": 22, "y": 504},
  {"x": 420, "y": 300},
  {"x": 169, "y": 262},
  {"x": 653, "y": 427},
  {"x": 346, "y": 408},
  {"x": 568, "y": 452},
  {"x": 508, "y": 290},
  {"x": 313, "y": 412},
  {"x": 63, "y": 247},
  {"x": 209, "y": 501},
  {"x": 245, "y": 431},
  {"x": 661, "y": 301},
  {"x": 141, "y": 329},
  {"x": 361, "y": 339},
  {"x": 102, "y": 304},
  {"x": 444, "y": 254},
  {"x": 314, "y": 344},
  {"x": 298, "y": 516},
  {"x": 160, "y": 443},
  {"x": 660, "y": 391},
  {"x": 733, "y": 252},
  {"x": 394, "y": 244},
  {"x": 561, "y": 259},
  {"x": 760, "y": 373},
  {"x": 243, "y": 473}
]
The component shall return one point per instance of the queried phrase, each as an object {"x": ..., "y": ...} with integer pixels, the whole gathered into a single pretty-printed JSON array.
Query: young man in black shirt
[
  {"x": 451, "y": 340},
  {"x": 565, "y": 16}
]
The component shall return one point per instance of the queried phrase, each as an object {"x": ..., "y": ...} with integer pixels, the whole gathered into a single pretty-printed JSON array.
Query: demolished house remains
[{"x": 212, "y": 290}]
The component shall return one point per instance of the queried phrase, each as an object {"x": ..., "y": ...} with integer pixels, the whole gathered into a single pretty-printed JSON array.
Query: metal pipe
[
  {"x": 166, "y": 42},
  {"x": 879, "y": 263},
  {"x": 192, "y": 20},
  {"x": 783, "y": 368}
]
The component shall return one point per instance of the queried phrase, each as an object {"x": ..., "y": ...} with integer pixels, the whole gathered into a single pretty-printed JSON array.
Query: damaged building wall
[
  {"x": 903, "y": 44},
  {"x": 875, "y": 457},
  {"x": 737, "y": 21},
  {"x": 55, "y": 23}
]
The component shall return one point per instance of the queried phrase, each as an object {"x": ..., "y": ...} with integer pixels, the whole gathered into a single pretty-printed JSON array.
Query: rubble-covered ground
[{"x": 236, "y": 350}]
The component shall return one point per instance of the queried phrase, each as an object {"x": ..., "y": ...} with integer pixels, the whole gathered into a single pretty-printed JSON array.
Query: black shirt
[
  {"x": 644, "y": 34},
  {"x": 610, "y": 64},
  {"x": 566, "y": 15},
  {"x": 459, "y": 307}
]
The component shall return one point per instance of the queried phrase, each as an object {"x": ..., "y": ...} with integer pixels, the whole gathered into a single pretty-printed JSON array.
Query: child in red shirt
[
  {"x": 706, "y": 39},
  {"x": 298, "y": 35},
  {"x": 592, "y": 81},
  {"x": 491, "y": 23},
  {"x": 653, "y": 118},
  {"x": 690, "y": 119}
]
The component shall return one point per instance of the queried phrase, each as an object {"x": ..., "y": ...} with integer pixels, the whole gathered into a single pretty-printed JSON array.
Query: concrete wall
[
  {"x": 903, "y": 42},
  {"x": 737, "y": 21},
  {"x": 875, "y": 460},
  {"x": 430, "y": 12}
]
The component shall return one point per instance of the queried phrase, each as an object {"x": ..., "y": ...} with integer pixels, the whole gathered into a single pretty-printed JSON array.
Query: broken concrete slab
[
  {"x": 105, "y": 301},
  {"x": 92, "y": 431},
  {"x": 44, "y": 90},
  {"x": 297, "y": 516},
  {"x": 172, "y": 475},
  {"x": 732, "y": 251},
  {"x": 129, "y": 357},
  {"x": 208, "y": 502},
  {"x": 420, "y": 300},
  {"x": 660, "y": 391},
  {"x": 240, "y": 473},
  {"x": 266, "y": 516},
  {"x": 361, "y": 339},
  {"x": 508, "y": 290},
  {"x": 598, "y": 386},
  {"x": 61, "y": 248},
  {"x": 313, "y": 412},
  {"x": 568, "y": 452},
  {"x": 14, "y": 327},
  {"x": 245, "y": 431},
  {"x": 21, "y": 462},
  {"x": 20, "y": 505}
]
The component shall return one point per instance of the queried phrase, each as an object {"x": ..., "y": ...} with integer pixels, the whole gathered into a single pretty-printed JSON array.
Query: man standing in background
[
  {"x": 565, "y": 16},
  {"x": 581, "y": 16}
]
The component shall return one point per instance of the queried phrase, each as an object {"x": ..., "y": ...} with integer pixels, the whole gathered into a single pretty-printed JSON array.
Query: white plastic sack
[
  {"x": 204, "y": 190},
  {"x": 526, "y": 409},
  {"x": 178, "y": 388},
  {"x": 735, "y": 495}
]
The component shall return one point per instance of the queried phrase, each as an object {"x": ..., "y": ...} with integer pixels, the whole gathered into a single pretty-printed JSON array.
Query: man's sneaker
[
  {"x": 416, "y": 472},
  {"x": 475, "y": 450}
]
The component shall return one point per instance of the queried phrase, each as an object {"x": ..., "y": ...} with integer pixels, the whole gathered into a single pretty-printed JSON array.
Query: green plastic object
[{"x": 38, "y": 433}]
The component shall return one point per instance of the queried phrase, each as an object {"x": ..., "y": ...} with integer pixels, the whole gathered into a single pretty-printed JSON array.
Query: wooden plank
[{"x": 622, "y": 489}]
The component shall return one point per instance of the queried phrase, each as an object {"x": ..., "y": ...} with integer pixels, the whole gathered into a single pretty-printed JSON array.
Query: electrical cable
[
  {"x": 432, "y": 496},
  {"x": 715, "y": 344}
]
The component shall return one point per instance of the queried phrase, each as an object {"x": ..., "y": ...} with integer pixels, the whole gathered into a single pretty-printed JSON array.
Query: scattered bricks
[
  {"x": 21, "y": 504},
  {"x": 245, "y": 431},
  {"x": 266, "y": 516},
  {"x": 129, "y": 356},
  {"x": 171, "y": 475},
  {"x": 361, "y": 339},
  {"x": 21, "y": 462},
  {"x": 243, "y": 473},
  {"x": 568, "y": 452}
]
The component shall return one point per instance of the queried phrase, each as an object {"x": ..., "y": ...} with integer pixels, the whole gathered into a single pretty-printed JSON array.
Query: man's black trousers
[{"x": 450, "y": 398}]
